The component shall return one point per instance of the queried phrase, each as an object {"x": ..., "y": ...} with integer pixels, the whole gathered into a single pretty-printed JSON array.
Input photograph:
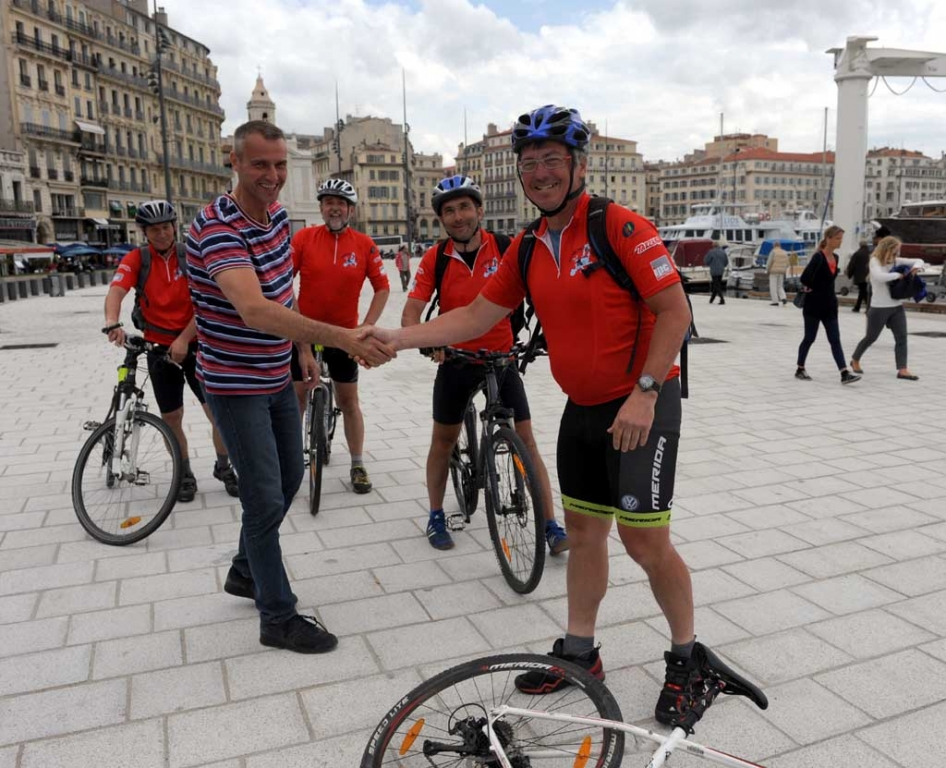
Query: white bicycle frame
[
  {"x": 668, "y": 744},
  {"x": 118, "y": 466}
]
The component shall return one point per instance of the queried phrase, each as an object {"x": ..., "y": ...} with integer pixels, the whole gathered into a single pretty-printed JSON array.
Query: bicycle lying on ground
[
  {"x": 129, "y": 470},
  {"x": 498, "y": 462},
  {"x": 473, "y": 716},
  {"x": 321, "y": 417}
]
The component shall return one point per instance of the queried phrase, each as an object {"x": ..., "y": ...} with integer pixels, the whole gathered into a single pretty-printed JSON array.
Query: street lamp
[{"x": 156, "y": 84}]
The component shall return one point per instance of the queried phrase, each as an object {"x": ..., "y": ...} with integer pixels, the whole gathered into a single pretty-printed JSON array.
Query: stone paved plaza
[{"x": 811, "y": 515}]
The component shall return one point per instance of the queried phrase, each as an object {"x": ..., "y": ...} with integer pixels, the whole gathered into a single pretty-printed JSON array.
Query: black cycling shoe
[
  {"x": 300, "y": 634},
  {"x": 538, "y": 683},
  {"x": 239, "y": 585},
  {"x": 683, "y": 685},
  {"x": 188, "y": 489},
  {"x": 229, "y": 479}
]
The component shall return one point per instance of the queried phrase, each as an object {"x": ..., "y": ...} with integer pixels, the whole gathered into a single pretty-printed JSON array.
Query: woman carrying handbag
[{"x": 821, "y": 304}]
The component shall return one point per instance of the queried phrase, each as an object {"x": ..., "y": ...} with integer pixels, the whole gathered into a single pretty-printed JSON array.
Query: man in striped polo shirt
[{"x": 240, "y": 273}]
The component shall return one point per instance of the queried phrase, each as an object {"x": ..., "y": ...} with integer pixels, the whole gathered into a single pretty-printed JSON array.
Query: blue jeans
[
  {"x": 263, "y": 435},
  {"x": 833, "y": 331}
]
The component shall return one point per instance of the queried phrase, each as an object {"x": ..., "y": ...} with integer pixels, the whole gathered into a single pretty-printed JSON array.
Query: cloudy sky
[{"x": 657, "y": 71}]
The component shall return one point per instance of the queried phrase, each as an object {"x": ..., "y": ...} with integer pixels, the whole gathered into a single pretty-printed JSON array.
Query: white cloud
[{"x": 658, "y": 71}]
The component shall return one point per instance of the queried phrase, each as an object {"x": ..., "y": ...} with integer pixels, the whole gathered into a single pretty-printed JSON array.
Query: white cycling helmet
[
  {"x": 337, "y": 188},
  {"x": 155, "y": 212}
]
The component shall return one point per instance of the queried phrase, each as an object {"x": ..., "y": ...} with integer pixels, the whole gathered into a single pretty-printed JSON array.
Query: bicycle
[
  {"x": 128, "y": 472},
  {"x": 321, "y": 418},
  {"x": 473, "y": 715},
  {"x": 498, "y": 462}
]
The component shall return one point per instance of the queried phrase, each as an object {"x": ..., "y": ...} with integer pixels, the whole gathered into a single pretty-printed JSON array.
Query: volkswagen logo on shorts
[{"x": 629, "y": 503}]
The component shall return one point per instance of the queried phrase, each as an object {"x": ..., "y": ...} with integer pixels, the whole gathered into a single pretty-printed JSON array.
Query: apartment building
[
  {"x": 75, "y": 99},
  {"x": 897, "y": 176}
]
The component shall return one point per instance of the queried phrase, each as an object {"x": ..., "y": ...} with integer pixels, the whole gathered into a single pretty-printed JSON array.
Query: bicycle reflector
[{"x": 411, "y": 737}]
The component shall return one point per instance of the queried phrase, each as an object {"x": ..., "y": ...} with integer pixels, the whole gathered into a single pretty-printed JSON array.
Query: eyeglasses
[{"x": 551, "y": 163}]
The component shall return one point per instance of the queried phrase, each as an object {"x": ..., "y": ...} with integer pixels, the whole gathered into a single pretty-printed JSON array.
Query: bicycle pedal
[
  {"x": 91, "y": 426},
  {"x": 143, "y": 478},
  {"x": 456, "y": 522}
]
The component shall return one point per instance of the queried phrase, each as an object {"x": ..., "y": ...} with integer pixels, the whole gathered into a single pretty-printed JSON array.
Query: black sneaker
[
  {"x": 683, "y": 684},
  {"x": 802, "y": 375},
  {"x": 188, "y": 489},
  {"x": 849, "y": 378},
  {"x": 301, "y": 634},
  {"x": 229, "y": 479},
  {"x": 239, "y": 585},
  {"x": 538, "y": 683}
]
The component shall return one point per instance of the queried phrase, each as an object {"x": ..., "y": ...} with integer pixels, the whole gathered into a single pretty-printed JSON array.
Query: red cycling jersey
[
  {"x": 332, "y": 269},
  {"x": 168, "y": 302},
  {"x": 461, "y": 285},
  {"x": 590, "y": 322}
]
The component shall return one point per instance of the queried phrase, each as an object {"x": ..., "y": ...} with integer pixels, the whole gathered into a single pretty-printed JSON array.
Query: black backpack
[
  {"x": 517, "y": 318},
  {"x": 144, "y": 272},
  {"x": 611, "y": 262}
]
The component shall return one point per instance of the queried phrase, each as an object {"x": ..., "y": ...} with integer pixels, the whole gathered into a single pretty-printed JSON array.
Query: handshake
[{"x": 371, "y": 345}]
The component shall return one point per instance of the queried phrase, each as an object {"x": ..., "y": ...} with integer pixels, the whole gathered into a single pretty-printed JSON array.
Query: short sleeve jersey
[
  {"x": 167, "y": 303},
  {"x": 332, "y": 270},
  {"x": 461, "y": 285},
  {"x": 232, "y": 358},
  {"x": 590, "y": 322}
]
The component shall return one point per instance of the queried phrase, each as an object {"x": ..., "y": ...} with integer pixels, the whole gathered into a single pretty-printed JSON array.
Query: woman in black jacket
[{"x": 821, "y": 304}]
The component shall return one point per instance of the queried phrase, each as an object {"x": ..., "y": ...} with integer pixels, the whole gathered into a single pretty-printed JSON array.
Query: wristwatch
[{"x": 648, "y": 384}]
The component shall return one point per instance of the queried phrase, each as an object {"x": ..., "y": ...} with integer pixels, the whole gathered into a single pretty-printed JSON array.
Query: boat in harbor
[
  {"x": 922, "y": 228},
  {"x": 711, "y": 222}
]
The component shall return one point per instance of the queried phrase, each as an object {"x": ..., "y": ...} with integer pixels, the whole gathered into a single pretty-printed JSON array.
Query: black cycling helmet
[
  {"x": 155, "y": 212},
  {"x": 455, "y": 186}
]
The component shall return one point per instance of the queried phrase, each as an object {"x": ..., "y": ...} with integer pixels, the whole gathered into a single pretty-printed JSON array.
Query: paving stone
[
  {"x": 478, "y": 565},
  {"x": 223, "y": 640},
  {"x": 422, "y": 643},
  {"x": 341, "y": 750},
  {"x": 373, "y": 613},
  {"x": 928, "y": 611},
  {"x": 343, "y": 707},
  {"x": 904, "y": 545},
  {"x": 342, "y": 560},
  {"x": 715, "y": 585},
  {"x": 28, "y": 636},
  {"x": 35, "y": 537},
  {"x": 342, "y": 587},
  {"x": 890, "y": 685},
  {"x": 168, "y": 539},
  {"x": 457, "y": 600},
  {"x": 770, "y": 612},
  {"x": 784, "y": 656},
  {"x": 46, "y": 669},
  {"x": 766, "y": 574},
  {"x": 629, "y": 602},
  {"x": 706, "y": 554},
  {"x": 201, "y": 609},
  {"x": 847, "y": 594},
  {"x": 209, "y": 555},
  {"x": 8, "y": 757},
  {"x": 834, "y": 559},
  {"x": 809, "y": 713},
  {"x": 135, "y": 565},
  {"x": 507, "y": 626},
  {"x": 138, "y": 745},
  {"x": 264, "y": 673},
  {"x": 44, "y": 577},
  {"x": 767, "y": 517},
  {"x": 398, "y": 578},
  {"x": 914, "y": 577},
  {"x": 870, "y": 633},
  {"x": 72, "y": 600},
  {"x": 27, "y": 557},
  {"x": 826, "y": 531},
  {"x": 107, "y": 625},
  {"x": 893, "y": 519},
  {"x": 177, "y": 690},
  {"x": 137, "y": 654},
  {"x": 16, "y": 608},
  {"x": 165, "y": 586},
  {"x": 66, "y": 710},
  {"x": 843, "y": 752},
  {"x": 234, "y": 730}
]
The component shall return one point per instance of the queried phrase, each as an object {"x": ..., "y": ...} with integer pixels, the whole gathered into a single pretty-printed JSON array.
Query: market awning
[
  {"x": 98, "y": 222},
  {"x": 90, "y": 127}
]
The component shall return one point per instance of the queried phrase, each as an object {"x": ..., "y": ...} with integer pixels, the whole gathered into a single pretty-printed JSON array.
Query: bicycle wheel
[
  {"x": 316, "y": 447},
  {"x": 123, "y": 507},
  {"x": 442, "y": 721},
  {"x": 514, "y": 511},
  {"x": 463, "y": 465},
  {"x": 329, "y": 420}
]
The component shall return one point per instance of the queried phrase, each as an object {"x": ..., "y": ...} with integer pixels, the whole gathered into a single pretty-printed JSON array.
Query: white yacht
[{"x": 710, "y": 220}]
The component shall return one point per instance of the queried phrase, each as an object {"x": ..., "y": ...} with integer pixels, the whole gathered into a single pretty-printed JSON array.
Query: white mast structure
[{"x": 855, "y": 65}]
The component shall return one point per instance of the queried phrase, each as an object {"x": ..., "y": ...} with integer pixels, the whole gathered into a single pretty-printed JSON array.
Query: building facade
[
  {"x": 76, "y": 100},
  {"x": 897, "y": 176},
  {"x": 17, "y": 219}
]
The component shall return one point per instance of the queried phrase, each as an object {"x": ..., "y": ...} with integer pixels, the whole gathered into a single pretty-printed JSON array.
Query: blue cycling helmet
[
  {"x": 550, "y": 123},
  {"x": 454, "y": 186}
]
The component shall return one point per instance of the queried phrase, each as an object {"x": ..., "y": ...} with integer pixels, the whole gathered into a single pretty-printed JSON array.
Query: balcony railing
[
  {"x": 174, "y": 67},
  {"x": 91, "y": 145},
  {"x": 128, "y": 112},
  {"x": 194, "y": 101},
  {"x": 116, "y": 109},
  {"x": 111, "y": 72},
  {"x": 79, "y": 26},
  {"x": 132, "y": 152},
  {"x": 40, "y": 47},
  {"x": 35, "y": 172},
  {"x": 68, "y": 176},
  {"x": 45, "y": 132},
  {"x": 125, "y": 45},
  {"x": 196, "y": 165},
  {"x": 139, "y": 115},
  {"x": 85, "y": 181},
  {"x": 15, "y": 206},
  {"x": 25, "y": 80},
  {"x": 121, "y": 151},
  {"x": 60, "y": 90},
  {"x": 126, "y": 186},
  {"x": 43, "y": 85},
  {"x": 52, "y": 174},
  {"x": 68, "y": 213}
]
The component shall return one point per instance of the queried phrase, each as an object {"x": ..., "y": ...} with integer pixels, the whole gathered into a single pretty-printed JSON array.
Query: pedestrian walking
[
  {"x": 776, "y": 268},
  {"x": 403, "y": 263},
  {"x": 859, "y": 272},
  {"x": 886, "y": 311},
  {"x": 717, "y": 261},
  {"x": 821, "y": 304}
]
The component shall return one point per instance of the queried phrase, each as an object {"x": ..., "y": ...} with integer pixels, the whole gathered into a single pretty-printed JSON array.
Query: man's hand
[
  {"x": 438, "y": 355},
  {"x": 310, "y": 368},
  {"x": 631, "y": 426},
  {"x": 116, "y": 336},
  {"x": 368, "y": 346},
  {"x": 178, "y": 350},
  {"x": 384, "y": 335}
]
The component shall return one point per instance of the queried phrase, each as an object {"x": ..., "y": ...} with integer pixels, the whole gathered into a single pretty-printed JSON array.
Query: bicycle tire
[
  {"x": 460, "y": 696},
  {"x": 316, "y": 438},
  {"x": 514, "y": 511},
  {"x": 329, "y": 421},
  {"x": 463, "y": 465},
  {"x": 117, "y": 511}
]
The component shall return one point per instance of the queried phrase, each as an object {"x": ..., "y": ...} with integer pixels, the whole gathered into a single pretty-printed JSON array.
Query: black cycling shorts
[
  {"x": 167, "y": 380},
  {"x": 636, "y": 487},
  {"x": 341, "y": 367},
  {"x": 458, "y": 379}
]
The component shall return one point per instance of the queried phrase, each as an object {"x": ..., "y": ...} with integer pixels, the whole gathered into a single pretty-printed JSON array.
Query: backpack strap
[
  {"x": 440, "y": 269},
  {"x": 144, "y": 272}
]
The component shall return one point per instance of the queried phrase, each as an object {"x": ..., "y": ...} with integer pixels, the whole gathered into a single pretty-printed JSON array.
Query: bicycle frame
[
  {"x": 668, "y": 744},
  {"x": 127, "y": 399}
]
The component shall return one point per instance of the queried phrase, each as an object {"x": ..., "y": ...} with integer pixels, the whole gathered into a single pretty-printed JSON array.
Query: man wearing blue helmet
[
  {"x": 471, "y": 255},
  {"x": 619, "y": 432}
]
